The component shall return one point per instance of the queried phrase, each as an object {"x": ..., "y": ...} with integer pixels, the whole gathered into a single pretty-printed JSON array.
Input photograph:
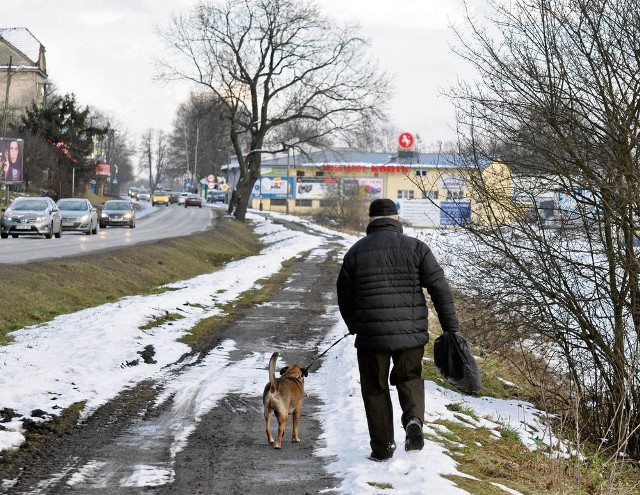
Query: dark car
[
  {"x": 215, "y": 195},
  {"x": 31, "y": 216},
  {"x": 78, "y": 214},
  {"x": 118, "y": 212},
  {"x": 173, "y": 197},
  {"x": 193, "y": 200}
]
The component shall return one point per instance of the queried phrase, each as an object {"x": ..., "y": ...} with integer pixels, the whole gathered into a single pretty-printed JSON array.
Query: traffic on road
[{"x": 80, "y": 228}]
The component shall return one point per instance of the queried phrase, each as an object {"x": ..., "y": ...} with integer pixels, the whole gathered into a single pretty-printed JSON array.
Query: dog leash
[{"x": 327, "y": 350}]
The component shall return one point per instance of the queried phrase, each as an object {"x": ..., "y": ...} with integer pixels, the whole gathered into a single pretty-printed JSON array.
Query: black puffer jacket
[{"x": 380, "y": 289}]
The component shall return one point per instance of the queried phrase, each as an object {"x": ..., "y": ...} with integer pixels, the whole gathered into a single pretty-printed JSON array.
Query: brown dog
[{"x": 283, "y": 395}]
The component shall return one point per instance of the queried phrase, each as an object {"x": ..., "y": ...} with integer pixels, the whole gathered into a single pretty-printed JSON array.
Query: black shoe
[
  {"x": 377, "y": 458},
  {"x": 415, "y": 437},
  {"x": 383, "y": 455}
]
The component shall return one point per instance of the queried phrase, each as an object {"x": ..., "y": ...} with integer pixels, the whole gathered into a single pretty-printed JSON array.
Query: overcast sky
[{"x": 102, "y": 51}]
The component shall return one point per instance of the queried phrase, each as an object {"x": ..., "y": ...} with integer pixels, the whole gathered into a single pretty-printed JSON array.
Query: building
[
  {"x": 431, "y": 189},
  {"x": 23, "y": 72}
]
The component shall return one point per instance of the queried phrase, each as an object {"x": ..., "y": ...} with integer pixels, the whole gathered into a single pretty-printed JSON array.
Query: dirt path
[{"x": 226, "y": 452}]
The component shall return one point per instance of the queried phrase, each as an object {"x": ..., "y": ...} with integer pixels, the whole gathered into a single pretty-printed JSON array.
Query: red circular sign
[{"x": 406, "y": 140}]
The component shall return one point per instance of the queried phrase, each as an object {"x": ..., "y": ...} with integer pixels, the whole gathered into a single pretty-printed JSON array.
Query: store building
[{"x": 430, "y": 189}]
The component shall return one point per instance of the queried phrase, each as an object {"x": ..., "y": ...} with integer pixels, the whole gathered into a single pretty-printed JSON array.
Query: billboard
[
  {"x": 11, "y": 152},
  {"x": 273, "y": 187},
  {"x": 315, "y": 187},
  {"x": 434, "y": 213},
  {"x": 103, "y": 169},
  {"x": 363, "y": 187}
]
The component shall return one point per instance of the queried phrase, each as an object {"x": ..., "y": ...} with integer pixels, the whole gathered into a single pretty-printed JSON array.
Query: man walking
[{"x": 382, "y": 302}]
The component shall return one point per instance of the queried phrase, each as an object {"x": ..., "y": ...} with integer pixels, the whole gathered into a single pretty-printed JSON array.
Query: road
[{"x": 152, "y": 223}]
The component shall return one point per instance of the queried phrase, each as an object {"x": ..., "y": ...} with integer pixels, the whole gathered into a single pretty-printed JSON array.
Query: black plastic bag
[{"x": 452, "y": 356}]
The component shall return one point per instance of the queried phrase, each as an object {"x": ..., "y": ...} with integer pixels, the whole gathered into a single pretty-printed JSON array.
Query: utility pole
[
  {"x": 287, "y": 181},
  {"x": 5, "y": 112},
  {"x": 195, "y": 157}
]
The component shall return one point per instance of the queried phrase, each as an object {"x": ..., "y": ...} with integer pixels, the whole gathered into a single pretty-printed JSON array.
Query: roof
[
  {"x": 345, "y": 155},
  {"x": 23, "y": 40}
]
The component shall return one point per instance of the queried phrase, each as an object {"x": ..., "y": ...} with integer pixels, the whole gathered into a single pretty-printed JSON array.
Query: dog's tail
[{"x": 272, "y": 372}]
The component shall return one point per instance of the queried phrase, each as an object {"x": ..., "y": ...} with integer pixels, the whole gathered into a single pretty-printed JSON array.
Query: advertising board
[
  {"x": 272, "y": 187},
  {"x": 433, "y": 213},
  {"x": 315, "y": 187},
  {"x": 363, "y": 187},
  {"x": 103, "y": 169},
  {"x": 11, "y": 153}
]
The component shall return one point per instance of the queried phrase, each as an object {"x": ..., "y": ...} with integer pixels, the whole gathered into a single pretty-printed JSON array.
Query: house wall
[
  {"x": 26, "y": 86},
  {"x": 26, "y": 79}
]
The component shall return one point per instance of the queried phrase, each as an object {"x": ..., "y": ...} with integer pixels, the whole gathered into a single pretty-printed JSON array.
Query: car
[
  {"x": 215, "y": 195},
  {"x": 193, "y": 200},
  {"x": 31, "y": 215},
  {"x": 160, "y": 197},
  {"x": 173, "y": 197},
  {"x": 182, "y": 196},
  {"x": 118, "y": 212},
  {"x": 133, "y": 191},
  {"x": 78, "y": 214},
  {"x": 143, "y": 196}
]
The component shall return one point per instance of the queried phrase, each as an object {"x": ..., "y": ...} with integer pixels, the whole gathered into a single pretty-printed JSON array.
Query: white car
[
  {"x": 182, "y": 197},
  {"x": 144, "y": 196},
  {"x": 78, "y": 214}
]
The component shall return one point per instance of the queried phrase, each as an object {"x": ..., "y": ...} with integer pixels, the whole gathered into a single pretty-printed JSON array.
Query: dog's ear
[
  {"x": 284, "y": 370},
  {"x": 305, "y": 372}
]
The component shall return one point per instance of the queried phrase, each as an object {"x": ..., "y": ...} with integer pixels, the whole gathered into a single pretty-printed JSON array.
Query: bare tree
[
  {"x": 275, "y": 63},
  {"x": 199, "y": 133},
  {"x": 153, "y": 156},
  {"x": 114, "y": 147},
  {"x": 558, "y": 100}
]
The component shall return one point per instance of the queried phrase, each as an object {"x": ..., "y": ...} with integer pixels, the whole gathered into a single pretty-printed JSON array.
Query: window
[
  {"x": 405, "y": 194},
  {"x": 432, "y": 194},
  {"x": 457, "y": 194},
  {"x": 319, "y": 173},
  {"x": 299, "y": 173},
  {"x": 305, "y": 203},
  {"x": 421, "y": 173},
  {"x": 278, "y": 202}
]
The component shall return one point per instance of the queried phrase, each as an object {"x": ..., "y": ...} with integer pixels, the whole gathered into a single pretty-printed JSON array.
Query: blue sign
[{"x": 454, "y": 213}]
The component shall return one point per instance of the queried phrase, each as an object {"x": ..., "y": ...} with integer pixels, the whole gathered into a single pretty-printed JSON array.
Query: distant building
[
  {"x": 430, "y": 189},
  {"x": 23, "y": 72}
]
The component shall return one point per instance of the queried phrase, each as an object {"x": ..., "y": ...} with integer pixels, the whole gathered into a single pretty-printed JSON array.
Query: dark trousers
[{"x": 406, "y": 375}]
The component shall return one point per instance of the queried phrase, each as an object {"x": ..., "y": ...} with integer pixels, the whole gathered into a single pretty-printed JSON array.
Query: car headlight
[
  {"x": 40, "y": 219},
  {"x": 127, "y": 215},
  {"x": 84, "y": 218}
]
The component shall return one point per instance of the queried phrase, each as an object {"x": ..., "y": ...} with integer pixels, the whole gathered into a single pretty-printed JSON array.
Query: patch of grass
[
  {"x": 505, "y": 460},
  {"x": 463, "y": 409},
  {"x": 511, "y": 433},
  {"x": 156, "y": 321},
  {"x": 383, "y": 486},
  {"x": 37, "y": 292}
]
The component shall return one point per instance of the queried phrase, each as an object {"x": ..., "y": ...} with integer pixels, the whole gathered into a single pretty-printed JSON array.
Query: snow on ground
[{"x": 53, "y": 365}]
